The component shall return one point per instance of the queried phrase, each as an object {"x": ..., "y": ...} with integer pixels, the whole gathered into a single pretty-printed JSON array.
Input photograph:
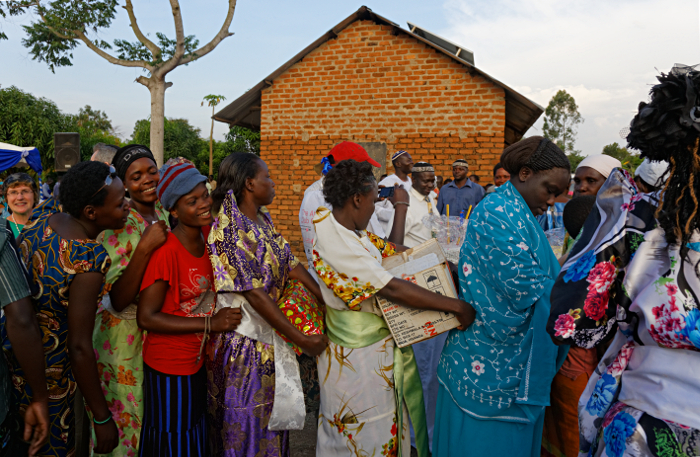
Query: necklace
[{"x": 14, "y": 221}]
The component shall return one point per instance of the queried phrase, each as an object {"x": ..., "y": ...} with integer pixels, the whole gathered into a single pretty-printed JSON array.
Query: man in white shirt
[
  {"x": 422, "y": 203},
  {"x": 403, "y": 163},
  {"x": 313, "y": 196}
]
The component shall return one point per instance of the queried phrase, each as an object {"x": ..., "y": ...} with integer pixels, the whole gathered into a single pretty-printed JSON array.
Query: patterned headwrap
[
  {"x": 398, "y": 154},
  {"x": 460, "y": 163},
  {"x": 422, "y": 167}
]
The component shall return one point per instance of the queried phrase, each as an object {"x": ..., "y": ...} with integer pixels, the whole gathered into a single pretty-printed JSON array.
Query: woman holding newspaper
[
  {"x": 495, "y": 377},
  {"x": 365, "y": 379}
]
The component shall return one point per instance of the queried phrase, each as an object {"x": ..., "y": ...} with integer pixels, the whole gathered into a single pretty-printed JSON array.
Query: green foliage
[
  {"x": 560, "y": 121},
  {"x": 26, "y": 120},
  {"x": 213, "y": 100},
  {"x": 183, "y": 140},
  {"x": 630, "y": 161},
  {"x": 138, "y": 50},
  {"x": 59, "y": 23},
  {"x": 575, "y": 158}
]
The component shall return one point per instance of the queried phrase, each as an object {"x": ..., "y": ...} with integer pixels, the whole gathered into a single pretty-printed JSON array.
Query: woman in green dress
[{"x": 117, "y": 338}]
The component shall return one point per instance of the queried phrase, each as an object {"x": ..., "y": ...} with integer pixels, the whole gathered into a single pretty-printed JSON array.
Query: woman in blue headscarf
[{"x": 495, "y": 376}]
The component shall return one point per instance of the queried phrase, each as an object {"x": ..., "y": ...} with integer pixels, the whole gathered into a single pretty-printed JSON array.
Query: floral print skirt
[
  {"x": 627, "y": 432},
  {"x": 358, "y": 404},
  {"x": 241, "y": 390},
  {"x": 118, "y": 344}
]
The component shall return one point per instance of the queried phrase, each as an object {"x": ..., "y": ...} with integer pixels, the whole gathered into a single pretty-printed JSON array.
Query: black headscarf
[{"x": 127, "y": 155}]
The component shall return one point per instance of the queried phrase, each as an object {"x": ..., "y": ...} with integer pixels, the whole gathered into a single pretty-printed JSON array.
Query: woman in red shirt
[{"x": 177, "y": 310}]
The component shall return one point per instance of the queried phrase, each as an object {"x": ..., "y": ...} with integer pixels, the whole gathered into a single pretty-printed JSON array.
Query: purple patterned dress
[{"x": 241, "y": 370}]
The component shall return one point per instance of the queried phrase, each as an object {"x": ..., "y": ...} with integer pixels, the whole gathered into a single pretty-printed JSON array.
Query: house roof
[{"x": 521, "y": 112}]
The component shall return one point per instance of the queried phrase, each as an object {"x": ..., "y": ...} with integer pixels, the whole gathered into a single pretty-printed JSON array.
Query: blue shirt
[{"x": 459, "y": 198}]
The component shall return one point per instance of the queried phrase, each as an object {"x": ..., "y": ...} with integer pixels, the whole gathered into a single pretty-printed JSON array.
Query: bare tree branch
[
  {"x": 223, "y": 33},
  {"x": 151, "y": 46},
  {"x": 179, "y": 30},
  {"x": 110, "y": 58}
]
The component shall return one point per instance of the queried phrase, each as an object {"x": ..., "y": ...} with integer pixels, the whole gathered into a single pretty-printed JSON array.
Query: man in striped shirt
[{"x": 20, "y": 327}]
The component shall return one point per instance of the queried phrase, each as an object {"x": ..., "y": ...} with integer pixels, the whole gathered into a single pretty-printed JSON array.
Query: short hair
[
  {"x": 83, "y": 185},
  {"x": 536, "y": 153},
  {"x": 497, "y": 167},
  {"x": 346, "y": 179},
  {"x": 575, "y": 213},
  {"x": 24, "y": 180},
  {"x": 103, "y": 152},
  {"x": 476, "y": 178}
]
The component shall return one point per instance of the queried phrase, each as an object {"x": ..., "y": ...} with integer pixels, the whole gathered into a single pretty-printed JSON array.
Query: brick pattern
[{"x": 370, "y": 85}]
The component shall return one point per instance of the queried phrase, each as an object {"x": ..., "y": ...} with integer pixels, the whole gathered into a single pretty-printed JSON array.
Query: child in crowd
[{"x": 177, "y": 309}]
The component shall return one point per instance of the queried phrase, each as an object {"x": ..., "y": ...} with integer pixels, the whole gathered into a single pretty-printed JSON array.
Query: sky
[{"x": 604, "y": 53}]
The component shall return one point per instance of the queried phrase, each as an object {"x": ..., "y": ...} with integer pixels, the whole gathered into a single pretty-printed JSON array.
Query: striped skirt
[{"x": 174, "y": 422}]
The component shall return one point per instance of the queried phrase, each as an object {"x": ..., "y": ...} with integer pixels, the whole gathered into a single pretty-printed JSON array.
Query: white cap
[
  {"x": 602, "y": 163},
  {"x": 651, "y": 172}
]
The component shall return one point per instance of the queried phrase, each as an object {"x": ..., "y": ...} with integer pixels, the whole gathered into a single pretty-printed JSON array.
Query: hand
[
  {"x": 226, "y": 320},
  {"x": 400, "y": 195},
  {"x": 154, "y": 236},
  {"x": 464, "y": 312},
  {"x": 313, "y": 345},
  {"x": 36, "y": 425},
  {"x": 107, "y": 437}
]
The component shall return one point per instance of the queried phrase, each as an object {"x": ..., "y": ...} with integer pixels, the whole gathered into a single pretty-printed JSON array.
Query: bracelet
[
  {"x": 401, "y": 203},
  {"x": 102, "y": 422}
]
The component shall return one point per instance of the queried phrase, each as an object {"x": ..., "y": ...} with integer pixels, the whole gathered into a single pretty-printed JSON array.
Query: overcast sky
[{"x": 605, "y": 53}]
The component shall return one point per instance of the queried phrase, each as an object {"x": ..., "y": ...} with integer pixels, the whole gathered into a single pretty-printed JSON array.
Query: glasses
[
  {"x": 24, "y": 193},
  {"x": 108, "y": 180}
]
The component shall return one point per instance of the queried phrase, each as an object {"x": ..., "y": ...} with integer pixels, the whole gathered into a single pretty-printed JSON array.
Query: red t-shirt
[{"x": 188, "y": 278}]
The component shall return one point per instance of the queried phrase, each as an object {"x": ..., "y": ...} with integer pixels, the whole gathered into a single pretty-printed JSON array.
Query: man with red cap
[{"x": 313, "y": 196}]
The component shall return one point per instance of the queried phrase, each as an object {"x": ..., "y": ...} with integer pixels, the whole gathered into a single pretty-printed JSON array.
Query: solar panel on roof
[{"x": 459, "y": 51}]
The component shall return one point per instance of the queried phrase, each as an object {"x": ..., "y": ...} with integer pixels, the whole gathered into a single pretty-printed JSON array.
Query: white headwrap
[
  {"x": 603, "y": 164},
  {"x": 651, "y": 172}
]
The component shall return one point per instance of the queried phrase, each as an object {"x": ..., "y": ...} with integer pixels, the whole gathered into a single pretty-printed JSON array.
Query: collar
[
  {"x": 418, "y": 195},
  {"x": 452, "y": 184}
]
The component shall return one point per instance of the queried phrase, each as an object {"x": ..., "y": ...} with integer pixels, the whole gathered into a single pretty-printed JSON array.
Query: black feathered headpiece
[{"x": 670, "y": 122}]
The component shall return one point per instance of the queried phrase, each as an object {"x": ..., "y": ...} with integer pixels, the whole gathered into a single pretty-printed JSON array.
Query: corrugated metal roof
[{"x": 521, "y": 112}]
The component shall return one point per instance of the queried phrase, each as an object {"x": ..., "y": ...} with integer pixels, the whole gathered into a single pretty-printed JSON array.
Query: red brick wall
[{"x": 370, "y": 85}]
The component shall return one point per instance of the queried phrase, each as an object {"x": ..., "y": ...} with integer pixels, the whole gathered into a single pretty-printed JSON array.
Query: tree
[
  {"x": 212, "y": 100},
  {"x": 241, "y": 139},
  {"x": 26, "y": 120},
  {"x": 630, "y": 161},
  {"x": 61, "y": 25},
  {"x": 561, "y": 119},
  {"x": 180, "y": 139}
]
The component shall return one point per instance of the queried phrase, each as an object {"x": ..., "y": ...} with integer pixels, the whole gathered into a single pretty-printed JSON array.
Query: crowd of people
[{"x": 153, "y": 311}]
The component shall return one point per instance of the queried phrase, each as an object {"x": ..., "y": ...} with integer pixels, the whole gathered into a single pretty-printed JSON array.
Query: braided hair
[
  {"x": 668, "y": 128},
  {"x": 536, "y": 153}
]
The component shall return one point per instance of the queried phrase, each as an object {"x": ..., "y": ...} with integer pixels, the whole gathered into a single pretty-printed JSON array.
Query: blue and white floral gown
[{"x": 623, "y": 280}]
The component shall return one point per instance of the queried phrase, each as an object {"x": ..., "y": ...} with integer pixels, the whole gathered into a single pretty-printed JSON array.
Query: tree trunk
[
  {"x": 157, "y": 88},
  {"x": 211, "y": 144}
]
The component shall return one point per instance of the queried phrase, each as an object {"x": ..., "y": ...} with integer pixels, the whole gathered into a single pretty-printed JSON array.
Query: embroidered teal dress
[{"x": 496, "y": 375}]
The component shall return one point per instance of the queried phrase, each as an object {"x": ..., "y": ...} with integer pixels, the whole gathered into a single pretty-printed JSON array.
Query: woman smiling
[
  {"x": 117, "y": 338},
  {"x": 22, "y": 195}
]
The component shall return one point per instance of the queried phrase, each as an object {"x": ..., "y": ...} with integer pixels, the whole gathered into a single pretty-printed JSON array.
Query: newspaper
[{"x": 426, "y": 266}]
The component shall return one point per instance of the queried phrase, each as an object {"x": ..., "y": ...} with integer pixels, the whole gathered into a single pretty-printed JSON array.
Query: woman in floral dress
[
  {"x": 117, "y": 338},
  {"x": 369, "y": 386},
  {"x": 634, "y": 277},
  {"x": 255, "y": 390},
  {"x": 495, "y": 377},
  {"x": 68, "y": 267}
]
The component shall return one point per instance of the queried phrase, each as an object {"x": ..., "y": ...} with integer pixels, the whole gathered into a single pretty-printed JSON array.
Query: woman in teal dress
[
  {"x": 495, "y": 376},
  {"x": 68, "y": 267}
]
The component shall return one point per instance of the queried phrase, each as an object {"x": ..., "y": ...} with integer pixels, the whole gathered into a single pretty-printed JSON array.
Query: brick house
[{"x": 370, "y": 81}]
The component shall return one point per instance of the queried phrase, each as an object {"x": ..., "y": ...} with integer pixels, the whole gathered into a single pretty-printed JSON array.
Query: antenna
[{"x": 459, "y": 51}]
